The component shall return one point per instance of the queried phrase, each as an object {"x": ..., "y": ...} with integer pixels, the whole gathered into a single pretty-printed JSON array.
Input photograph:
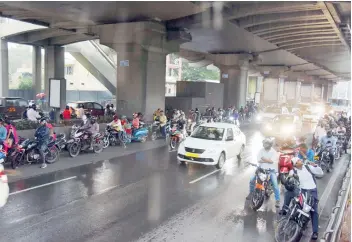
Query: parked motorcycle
[
  {"x": 291, "y": 227},
  {"x": 285, "y": 164},
  {"x": 176, "y": 137},
  {"x": 81, "y": 142},
  {"x": 263, "y": 188}
]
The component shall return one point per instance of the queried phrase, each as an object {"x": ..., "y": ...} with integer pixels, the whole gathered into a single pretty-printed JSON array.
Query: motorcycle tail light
[{"x": 300, "y": 199}]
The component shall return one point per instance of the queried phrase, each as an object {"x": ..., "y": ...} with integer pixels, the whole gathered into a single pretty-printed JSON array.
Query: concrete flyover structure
[{"x": 299, "y": 47}]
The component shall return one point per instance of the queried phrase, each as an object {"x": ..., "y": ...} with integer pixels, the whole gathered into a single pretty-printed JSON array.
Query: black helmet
[
  {"x": 43, "y": 120},
  {"x": 290, "y": 184},
  {"x": 34, "y": 106},
  {"x": 93, "y": 120},
  {"x": 88, "y": 114}
]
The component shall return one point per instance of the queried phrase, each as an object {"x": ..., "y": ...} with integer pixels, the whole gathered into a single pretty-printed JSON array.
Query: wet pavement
[{"x": 147, "y": 196}]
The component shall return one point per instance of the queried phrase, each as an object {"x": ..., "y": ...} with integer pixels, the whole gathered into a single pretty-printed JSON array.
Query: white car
[
  {"x": 268, "y": 114},
  {"x": 212, "y": 144}
]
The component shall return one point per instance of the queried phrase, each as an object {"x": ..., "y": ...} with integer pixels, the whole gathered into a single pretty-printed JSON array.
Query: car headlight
[
  {"x": 259, "y": 118},
  {"x": 232, "y": 118},
  {"x": 268, "y": 127}
]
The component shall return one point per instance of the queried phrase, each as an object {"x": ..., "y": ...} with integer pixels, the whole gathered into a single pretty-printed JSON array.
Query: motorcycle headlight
[
  {"x": 259, "y": 117},
  {"x": 306, "y": 208},
  {"x": 262, "y": 176}
]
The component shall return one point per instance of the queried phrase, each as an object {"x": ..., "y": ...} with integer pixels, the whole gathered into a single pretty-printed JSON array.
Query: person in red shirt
[{"x": 66, "y": 114}]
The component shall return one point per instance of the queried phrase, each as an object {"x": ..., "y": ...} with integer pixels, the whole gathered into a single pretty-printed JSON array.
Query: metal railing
[{"x": 333, "y": 229}]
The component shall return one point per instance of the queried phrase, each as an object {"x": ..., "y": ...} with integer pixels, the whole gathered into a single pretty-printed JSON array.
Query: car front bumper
[{"x": 204, "y": 158}]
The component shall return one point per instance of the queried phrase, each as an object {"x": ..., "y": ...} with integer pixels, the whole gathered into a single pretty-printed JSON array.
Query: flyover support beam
[
  {"x": 329, "y": 91},
  {"x": 280, "y": 94},
  {"x": 298, "y": 91},
  {"x": 140, "y": 85},
  {"x": 4, "y": 68},
  {"x": 37, "y": 69},
  {"x": 141, "y": 51},
  {"x": 312, "y": 93},
  {"x": 55, "y": 68}
]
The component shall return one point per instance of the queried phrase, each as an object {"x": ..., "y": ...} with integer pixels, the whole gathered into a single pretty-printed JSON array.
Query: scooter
[
  {"x": 285, "y": 164},
  {"x": 156, "y": 133},
  {"x": 137, "y": 135}
]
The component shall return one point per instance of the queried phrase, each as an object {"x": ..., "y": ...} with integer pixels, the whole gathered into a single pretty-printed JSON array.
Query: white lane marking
[
  {"x": 43, "y": 185},
  {"x": 202, "y": 177}
]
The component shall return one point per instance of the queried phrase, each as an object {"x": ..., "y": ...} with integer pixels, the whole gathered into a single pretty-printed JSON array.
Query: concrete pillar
[
  {"x": 140, "y": 83},
  {"x": 55, "y": 68},
  {"x": 298, "y": 91},
  {"x": 280, "y": 93},
  {"x": 234, "y": 79},
  {"x": 329, "y": 91},
  {"x": 4, "y": 69},
  {"x": 312, "y": 93},
  {"x": 37, "y": 69},
  {"x": 259, "y": 84},
  {"x": 322, "y": 93}
]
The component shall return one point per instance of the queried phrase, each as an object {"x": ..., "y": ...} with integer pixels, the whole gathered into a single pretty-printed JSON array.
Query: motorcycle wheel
[
  {"x": 143, "y": 139},
  {"x": 257, "y": 199},
  {"x": 173, "y": 143},
  {"x": 98, "y": 146},
  {"x": 15, "y": 160},
  {"x": 52, "y": 155},
  {"x": 154, "y": 136},
  {"x": 288, "y": 231},
  {"x": 74, "y": 149},
  {"x": 106, "y": 142}
]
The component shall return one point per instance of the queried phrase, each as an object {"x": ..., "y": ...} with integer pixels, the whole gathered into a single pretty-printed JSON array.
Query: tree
[
  {"x": 26, "y": 82},
  {"x": 198, "y": 73}
]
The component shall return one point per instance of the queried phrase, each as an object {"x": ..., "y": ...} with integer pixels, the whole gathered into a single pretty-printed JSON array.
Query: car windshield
[
  {"x": 284, "y": 119},
  {"x": 272, "y": 110},
  {"x": 209, "y": 133}
]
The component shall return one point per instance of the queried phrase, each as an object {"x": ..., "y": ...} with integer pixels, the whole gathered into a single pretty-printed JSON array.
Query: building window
[{"x": 69, "y": 70}]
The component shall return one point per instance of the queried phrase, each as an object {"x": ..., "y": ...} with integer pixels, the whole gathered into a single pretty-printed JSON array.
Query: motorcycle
[
  {"x": 340, "y": 145},
  {"x": 111, "y": 138},
  {"x": 156, "y": 133},
  {"x": 80, "y": 142},
  {"x": 263, "y": 187},
  {"x": 285, "y": 165},
  {"x": 323, "y": 160},
  {"x": 176, "y": 137},
  {"x": 137, "y": 135},
  {"x": 27, "y": 152},
  {"x": 291, "y": 227},
  {"x": 60, "y": 142}
]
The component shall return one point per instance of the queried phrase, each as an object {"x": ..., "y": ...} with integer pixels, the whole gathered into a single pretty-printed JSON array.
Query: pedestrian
[
  {"x": 42, "y": 134},
  {"x": 66, "y": 114}
]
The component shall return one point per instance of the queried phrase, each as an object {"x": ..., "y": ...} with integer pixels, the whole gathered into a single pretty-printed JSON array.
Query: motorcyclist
[
  {"x": 329, "y": 138},
  {"x": 135, "y": 121},
  {"x": 11, "y": 131},
  {"x": 86, "y": 126},
  {"x": 182, "y": 124},
  {"x": 343, "y": 118},
  {"x": 236, "y": 117},
  {"x": 268, "y": 158},
  {"x": 93, "y": 130},
  {"x": 306, "y": 176},
  {"x": 156, "y": 114},
  {"x": 341, "y": 128},
  {"x": 197, "y": 115},
  {"x": 116, "y": 125},
  {"x": 163, "y": 121},
  {"x": 319, "y": 131},
  {"x": 32, "y": 113},
  {"x": 42, "y": 135},
  {"x": 3, "y": 132},
  {"x": 305, "y": 153}
]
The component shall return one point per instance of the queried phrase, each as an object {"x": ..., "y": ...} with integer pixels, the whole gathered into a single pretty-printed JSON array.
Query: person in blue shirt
[
  {"x": 305, "y": 153},
  {"x": 3, "y": 131}
]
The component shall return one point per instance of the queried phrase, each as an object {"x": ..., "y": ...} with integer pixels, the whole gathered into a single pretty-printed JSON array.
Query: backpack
[{"x": 308, "y": 169}]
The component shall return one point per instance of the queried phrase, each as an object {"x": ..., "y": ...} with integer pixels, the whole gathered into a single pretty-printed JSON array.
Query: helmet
[
  {"x": 34, "y": 106},
  {"x": 290, "y": 184},
  {"x": 88, "y": 114},
  {"x": 43, "y": 120}
]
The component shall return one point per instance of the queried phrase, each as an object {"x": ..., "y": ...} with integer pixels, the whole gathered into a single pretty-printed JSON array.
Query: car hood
[{"x": 201, "y": 143}]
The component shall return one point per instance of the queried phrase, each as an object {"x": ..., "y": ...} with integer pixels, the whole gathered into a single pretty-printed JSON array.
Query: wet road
[{"x": 146, "y": 196}]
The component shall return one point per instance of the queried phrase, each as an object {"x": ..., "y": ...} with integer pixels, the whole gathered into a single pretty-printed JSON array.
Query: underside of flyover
[{"x": 309, "y": 41}]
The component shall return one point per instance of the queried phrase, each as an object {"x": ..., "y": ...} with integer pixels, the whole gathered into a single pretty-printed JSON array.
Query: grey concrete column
[
  {"x": 322, "y": 92},
  {"x": 242, "y": 86},
  {"x": 4, "y": 69},
  {"x": 37, "y": 69},
  {"x": 55, "y": 68},
  {"x": 140, "y": 85},
  {"x": 329, "y": 91},
  {"x": 259, "y": 86},
  {"x": 280, "y": 92},
  {"x": 312, "y": 93},
  {"x": 298, "y": 91}
]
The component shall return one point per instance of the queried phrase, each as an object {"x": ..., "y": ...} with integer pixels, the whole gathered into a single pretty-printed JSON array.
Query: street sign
[{"x": 124, "y": 63}]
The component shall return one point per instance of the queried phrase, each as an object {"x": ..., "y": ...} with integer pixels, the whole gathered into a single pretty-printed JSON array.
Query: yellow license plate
[
  {"x": 192, "y": 155},
  {"x": 316, "y": 157}
]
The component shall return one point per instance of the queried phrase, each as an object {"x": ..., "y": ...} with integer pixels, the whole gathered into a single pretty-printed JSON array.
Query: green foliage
[
  {"x": 26, "y": 82},
  {"x": 198, "y": 73}
]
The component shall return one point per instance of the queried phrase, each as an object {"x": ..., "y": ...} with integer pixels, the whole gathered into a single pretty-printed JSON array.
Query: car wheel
[
  {"x": 240, "y": 155},
  {"x": 221, "y": 161}
]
